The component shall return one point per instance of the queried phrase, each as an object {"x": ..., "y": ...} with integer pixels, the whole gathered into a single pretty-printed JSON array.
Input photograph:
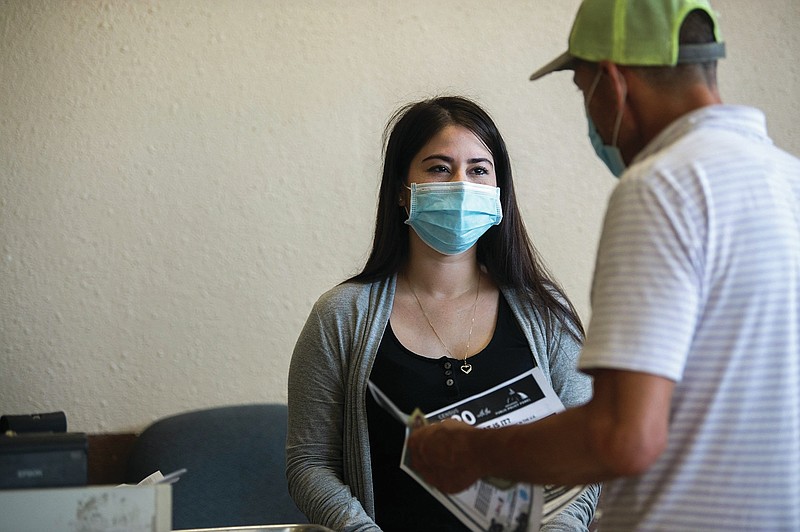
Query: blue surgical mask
[
  {"x": 451, "y": 216},
  {"x": 610, "y": 155}
]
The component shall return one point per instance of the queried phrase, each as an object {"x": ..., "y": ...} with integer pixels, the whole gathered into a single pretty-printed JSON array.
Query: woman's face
[{"x": 453, "y": 154}]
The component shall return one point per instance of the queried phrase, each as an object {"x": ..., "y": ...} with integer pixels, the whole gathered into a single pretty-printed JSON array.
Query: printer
[{"x": 37, "y": 452}]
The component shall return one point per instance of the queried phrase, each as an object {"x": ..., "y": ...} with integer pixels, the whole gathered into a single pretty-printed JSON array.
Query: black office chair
[{"x": 235, "y": 459}]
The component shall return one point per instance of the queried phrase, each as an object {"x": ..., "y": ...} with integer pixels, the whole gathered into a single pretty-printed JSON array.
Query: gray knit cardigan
[{"x": 327, "y": 449}]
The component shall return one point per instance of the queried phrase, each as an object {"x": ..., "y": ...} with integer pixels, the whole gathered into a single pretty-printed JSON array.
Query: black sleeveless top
[{"x": 410, "y": 380}]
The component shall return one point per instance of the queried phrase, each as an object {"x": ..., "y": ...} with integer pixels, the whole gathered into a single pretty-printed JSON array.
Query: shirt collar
[{"x": 746, "y": 120}]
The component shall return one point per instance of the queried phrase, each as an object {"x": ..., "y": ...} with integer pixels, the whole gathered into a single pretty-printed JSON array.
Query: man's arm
[{"x": 620, "y": 432}]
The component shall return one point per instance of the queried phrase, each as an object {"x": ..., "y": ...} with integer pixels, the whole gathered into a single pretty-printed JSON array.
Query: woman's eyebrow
[
  {"x": 444, "y": 158},
  {"x": 447, "y": 159}
]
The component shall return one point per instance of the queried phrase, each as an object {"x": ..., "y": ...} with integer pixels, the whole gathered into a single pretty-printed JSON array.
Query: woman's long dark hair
[{"x": 505, "y": 249}]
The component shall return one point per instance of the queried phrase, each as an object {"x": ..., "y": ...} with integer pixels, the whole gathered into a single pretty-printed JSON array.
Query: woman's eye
[
  {"x": 480, "y": 170},
  {"x": 438, "y": 169}
]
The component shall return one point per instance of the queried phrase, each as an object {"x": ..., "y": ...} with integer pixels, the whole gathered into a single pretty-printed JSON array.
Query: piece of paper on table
[{"x": 159, "y": 478}]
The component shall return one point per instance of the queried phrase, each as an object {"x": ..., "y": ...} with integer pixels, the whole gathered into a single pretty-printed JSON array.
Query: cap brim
[{"x": 565, "y": 61}]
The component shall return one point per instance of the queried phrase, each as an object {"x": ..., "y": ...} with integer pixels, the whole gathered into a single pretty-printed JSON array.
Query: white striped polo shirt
[{"x": 698, "y": 280}]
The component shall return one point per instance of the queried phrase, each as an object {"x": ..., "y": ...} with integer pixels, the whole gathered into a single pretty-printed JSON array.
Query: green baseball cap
[{"x": 634, "y": 32}]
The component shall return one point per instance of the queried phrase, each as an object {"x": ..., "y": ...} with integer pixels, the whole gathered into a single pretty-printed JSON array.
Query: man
[{"x": 694, "y": 341}]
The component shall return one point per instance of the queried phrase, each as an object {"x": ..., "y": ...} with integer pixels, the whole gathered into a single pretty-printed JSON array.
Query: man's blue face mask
[
  {"x": 610, "y": 155},
  {"x": 451, "y": 216}
]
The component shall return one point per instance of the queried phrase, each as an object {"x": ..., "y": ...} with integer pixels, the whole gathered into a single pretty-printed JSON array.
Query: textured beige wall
[{"x": 180, "y": 180}]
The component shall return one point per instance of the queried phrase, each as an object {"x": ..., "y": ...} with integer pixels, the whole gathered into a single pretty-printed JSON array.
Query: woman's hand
[{"x": 444, "y": 454}]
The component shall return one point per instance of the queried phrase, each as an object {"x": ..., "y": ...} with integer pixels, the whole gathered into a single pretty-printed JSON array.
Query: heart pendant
[{"x": 466, "y": 368}]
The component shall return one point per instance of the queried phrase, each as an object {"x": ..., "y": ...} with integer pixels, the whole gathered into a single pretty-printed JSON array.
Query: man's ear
[{"x": 616, "y": 76}]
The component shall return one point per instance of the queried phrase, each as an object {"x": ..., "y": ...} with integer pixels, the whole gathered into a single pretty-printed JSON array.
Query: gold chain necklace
[{"x": 465, "y": 366}]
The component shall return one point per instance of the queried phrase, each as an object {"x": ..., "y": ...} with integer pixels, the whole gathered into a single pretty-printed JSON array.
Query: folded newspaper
[{"x": 495, "y": 505}]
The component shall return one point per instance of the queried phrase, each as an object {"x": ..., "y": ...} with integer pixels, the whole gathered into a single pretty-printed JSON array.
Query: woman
[{"x": 452, "y": 301}]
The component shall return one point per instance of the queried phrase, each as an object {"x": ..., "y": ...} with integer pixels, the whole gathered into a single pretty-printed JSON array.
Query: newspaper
[{"x": 495, "y": 505}]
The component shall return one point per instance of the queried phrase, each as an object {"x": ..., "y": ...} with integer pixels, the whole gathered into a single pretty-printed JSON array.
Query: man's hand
[{"x": 444, "y": 455}]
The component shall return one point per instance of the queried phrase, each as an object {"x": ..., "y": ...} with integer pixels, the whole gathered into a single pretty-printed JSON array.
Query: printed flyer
[{"x": 495, "y": 505}]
